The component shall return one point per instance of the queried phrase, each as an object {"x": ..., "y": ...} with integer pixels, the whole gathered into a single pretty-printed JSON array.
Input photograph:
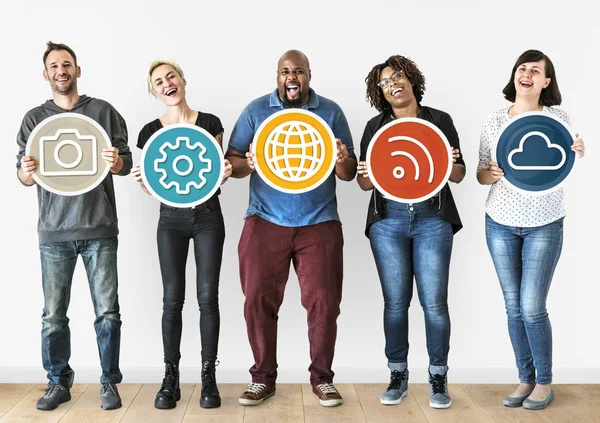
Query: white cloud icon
[{"x": 548, "y": 143}]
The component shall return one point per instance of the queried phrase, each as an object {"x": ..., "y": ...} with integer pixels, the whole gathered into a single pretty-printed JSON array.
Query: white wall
[{"x": 229, "y": 52}]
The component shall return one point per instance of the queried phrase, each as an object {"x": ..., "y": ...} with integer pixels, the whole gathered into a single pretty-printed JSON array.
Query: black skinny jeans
[{"x": 176, "y": 226}]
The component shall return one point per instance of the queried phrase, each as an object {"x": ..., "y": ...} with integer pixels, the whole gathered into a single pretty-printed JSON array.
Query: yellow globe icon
[{"x": 294, "y": 151}]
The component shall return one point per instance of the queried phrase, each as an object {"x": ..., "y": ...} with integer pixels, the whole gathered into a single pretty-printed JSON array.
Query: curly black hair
[{"x": 400, "y": 63}]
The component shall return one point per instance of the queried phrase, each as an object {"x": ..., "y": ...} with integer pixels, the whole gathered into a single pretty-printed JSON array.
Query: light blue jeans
[
  {"x": 58, "y": 264},
  {"x": 525, "y": 259}
]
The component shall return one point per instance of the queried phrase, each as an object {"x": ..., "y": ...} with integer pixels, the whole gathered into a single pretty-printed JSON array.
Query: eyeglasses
[{"x": 396, "y": 76}]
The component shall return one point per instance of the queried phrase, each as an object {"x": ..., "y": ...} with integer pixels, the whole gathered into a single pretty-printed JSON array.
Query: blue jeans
[
  {"x": 413, "y": 241},
  {"x": 58, "y": 264},
  {"x": 525, "y": 259}
]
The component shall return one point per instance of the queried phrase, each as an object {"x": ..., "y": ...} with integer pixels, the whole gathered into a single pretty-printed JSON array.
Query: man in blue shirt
[{"x": 302, "y": 228}]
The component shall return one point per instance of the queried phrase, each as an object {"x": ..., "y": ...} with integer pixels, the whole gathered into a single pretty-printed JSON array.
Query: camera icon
[{"x": 68, "y": 153}]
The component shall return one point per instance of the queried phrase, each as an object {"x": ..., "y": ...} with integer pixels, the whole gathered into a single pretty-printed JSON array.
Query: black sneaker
[
  {"x": 169, "y": 392},
  {"x": 109, "y": 396},
  {"x": 209, "y": 397},
  {"x": 55, "y": 394}
]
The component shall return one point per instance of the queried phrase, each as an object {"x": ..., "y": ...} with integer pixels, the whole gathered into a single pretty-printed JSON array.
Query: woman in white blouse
[{"x": 525, "y": 233}]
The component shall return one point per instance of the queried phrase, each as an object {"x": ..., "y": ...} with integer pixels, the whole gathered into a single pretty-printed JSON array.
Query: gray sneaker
[
  {"x": 109, "y": 396},
  {"x": 55, "y": 394},
  {"x": 397, "y": 389},
  {"x": 438, "y": 391}
]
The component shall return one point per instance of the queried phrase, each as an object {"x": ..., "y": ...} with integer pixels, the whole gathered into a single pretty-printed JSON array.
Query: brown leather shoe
[
  {"x": 328, "y": 395},
  {"x": 257, "y": 393}
]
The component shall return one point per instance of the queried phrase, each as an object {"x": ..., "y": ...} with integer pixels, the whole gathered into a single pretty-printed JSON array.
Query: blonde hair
[{"x": 156, "y": 64}]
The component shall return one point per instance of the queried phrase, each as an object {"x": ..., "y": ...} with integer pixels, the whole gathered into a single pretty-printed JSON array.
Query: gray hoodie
[{"x": 86, "y": 216}]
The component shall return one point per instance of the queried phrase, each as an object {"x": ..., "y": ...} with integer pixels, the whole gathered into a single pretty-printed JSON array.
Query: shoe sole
[
  {"x": 329, "y": 403},
  {"x": 114, "y": 407},
  {"x": 440, "y": 406},
  {"x": 210, "y": 403},
  {"x": 245, "y": 401},
  {"x": 60, "y": 401},
  {"x": 394, "y": 402}
]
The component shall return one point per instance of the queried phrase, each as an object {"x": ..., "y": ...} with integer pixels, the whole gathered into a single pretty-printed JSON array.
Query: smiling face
[
  {"x": 168, "y": 86},
  {"x": 61, "y": 71},
  {"x": 530, "y": 79},
  {"x": 398, "y": 92},
  {"x": 293, "y": 80}
]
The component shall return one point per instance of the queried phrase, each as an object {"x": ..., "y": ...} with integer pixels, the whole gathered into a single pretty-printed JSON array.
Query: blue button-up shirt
[{"x": 309, "y": 208}]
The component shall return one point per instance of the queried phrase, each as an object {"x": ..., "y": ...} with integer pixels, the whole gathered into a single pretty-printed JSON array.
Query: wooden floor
[{"x": 295, "y": 403}]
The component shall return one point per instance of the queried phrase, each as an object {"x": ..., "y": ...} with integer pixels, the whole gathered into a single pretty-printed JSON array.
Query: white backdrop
[{"x": 229, "y": 53}]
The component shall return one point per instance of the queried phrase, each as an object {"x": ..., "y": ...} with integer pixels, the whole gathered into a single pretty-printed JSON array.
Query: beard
[
  {"x": 64, "y": 90},
  {"x": 288, "y": 102}
]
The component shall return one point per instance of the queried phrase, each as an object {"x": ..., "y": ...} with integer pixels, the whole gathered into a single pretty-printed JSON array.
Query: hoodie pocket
[{"x": 90, "y": 210}]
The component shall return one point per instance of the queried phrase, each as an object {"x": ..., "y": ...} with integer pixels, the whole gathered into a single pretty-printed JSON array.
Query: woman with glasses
[
  {"x": 525, "y": 232},
  {"x": 411, "y": 240},
  {"x": 204, "y": 225}
]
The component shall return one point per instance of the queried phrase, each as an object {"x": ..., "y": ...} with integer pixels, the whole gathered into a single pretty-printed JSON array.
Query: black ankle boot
[
  {"x": 209, "y": 398},
  {"x": 169, "y": 392}
]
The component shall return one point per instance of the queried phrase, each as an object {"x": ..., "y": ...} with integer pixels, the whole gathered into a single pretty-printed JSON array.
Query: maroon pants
[{"x": 265, "y": 252}]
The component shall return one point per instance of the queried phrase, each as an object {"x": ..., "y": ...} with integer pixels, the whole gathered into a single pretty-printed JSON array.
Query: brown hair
[
  {"x": 50, "y": 47},
  {"x": 399, "y": 63},
  {"x": 550, "y": 95}
]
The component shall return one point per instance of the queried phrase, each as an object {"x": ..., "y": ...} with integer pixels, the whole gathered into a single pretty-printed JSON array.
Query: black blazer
[{"x": 443, "y": 121}]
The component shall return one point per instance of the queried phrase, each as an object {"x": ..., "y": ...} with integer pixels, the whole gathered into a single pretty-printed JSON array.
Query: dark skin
[
  {"x": 293, "y": 82},
  {"x": 404, "y": 104}
]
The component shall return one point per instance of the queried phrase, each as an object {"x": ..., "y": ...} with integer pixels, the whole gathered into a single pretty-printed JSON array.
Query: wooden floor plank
[
  {"x": 568, "y": 406},
  {"x": 230, "y": 410},
  {"x": 142, "y": 408},
  {"x": 463, "y": 409},
  {"x": 11, "y": 394},
  {"x": 590, "y": 393},
  {"x": 25, "y": 411},
  {"x": 349, "y": 412},
  {"x": 286, "y": 406},
  {"x": 489, "y": 400},
  {"x": 87, "y": 408},
  {"x": 407, "y": 411}
]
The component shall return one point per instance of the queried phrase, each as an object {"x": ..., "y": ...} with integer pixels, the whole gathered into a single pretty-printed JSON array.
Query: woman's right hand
[
  {"x": 362, "y": 169},
  {"x": 495, "y": 172}
]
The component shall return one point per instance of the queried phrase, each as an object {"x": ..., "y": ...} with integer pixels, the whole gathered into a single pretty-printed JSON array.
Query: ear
[
  {"x": 45, "y": 73},
  {"x": 309, "y": 75},
  {"x": 78, "y": 71},
  {"x": 184, "y": 82}
]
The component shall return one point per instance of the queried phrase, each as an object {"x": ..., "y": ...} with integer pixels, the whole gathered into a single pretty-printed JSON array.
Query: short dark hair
[
  {"x": 550, "y": 95},
  {"x": 399, "y": 63},
  {"x": 50, "y": 46}
]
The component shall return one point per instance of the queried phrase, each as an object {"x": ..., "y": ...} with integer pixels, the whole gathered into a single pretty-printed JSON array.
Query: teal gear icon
[{"x": 182, "y": 166}]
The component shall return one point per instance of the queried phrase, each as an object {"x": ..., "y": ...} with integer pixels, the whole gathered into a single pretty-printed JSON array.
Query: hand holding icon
[
  {"x": 111, "y": 157},
  {"x": 136, "y": 173},
  {"x": 342, "y": 151},
  {"x": 455, "y": 154},
  {"x": 362, "y": 169},
  {"x": 250, "y": 158},
  {"x": 29, "y": 165},
  {"x": 227, "y": 170},
  {"x": 495, "y": 171},
  {"x": 578, "y": 147}
]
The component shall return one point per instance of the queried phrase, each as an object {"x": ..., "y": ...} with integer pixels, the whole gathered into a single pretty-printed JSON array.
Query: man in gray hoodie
[{"x": 68, "y": 226}]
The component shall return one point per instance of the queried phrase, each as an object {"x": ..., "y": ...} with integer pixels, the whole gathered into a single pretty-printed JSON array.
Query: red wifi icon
[{"x": 409, "y": 160}]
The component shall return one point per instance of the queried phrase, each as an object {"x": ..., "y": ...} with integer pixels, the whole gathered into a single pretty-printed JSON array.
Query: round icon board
[
  {"x": 68, "y": 148},
  {"x": 534, "y": 152},
  {"x": 182, "y": 165},
  {"x": 409, "y": 160},
  {"x": 294, "y": 151}
]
